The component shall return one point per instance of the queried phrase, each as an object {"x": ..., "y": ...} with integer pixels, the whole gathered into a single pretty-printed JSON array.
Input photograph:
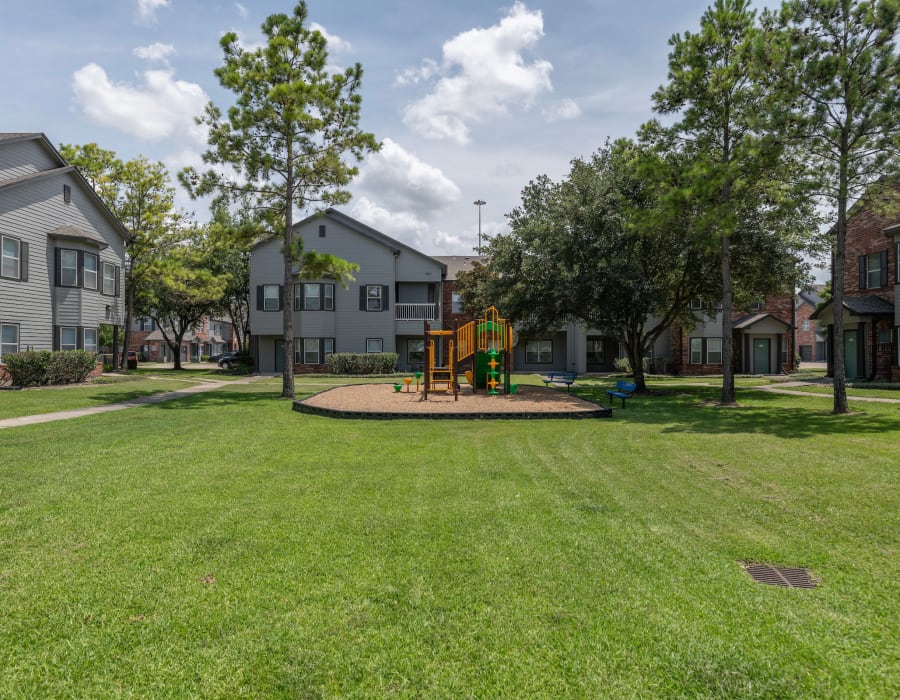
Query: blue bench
[
  {"x": 623, "y": 390},
  {"x": 567, "y": 378}
]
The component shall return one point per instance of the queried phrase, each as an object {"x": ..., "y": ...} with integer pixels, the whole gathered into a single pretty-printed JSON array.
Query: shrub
[
  {"x": 622, "y": 365},
  {"x": 362, "y": 363},
  {"x": 37, "y": 367}
]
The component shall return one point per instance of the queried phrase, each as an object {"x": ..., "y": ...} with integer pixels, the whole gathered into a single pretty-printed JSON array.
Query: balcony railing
[{"x": 416, "y": 312}]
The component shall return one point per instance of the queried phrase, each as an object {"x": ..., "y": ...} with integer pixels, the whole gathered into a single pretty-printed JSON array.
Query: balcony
[{"x": 416, "y": 312}]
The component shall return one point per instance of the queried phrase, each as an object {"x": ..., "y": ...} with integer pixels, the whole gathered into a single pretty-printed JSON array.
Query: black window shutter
[
  {"x": 79, "y": 338},
  {"x": 23, "y": 271},
  {"x": 862, "y": 272},
  {"x": 321, "y": 350},
  {"x": 301, "y": 298},
  {"x": 362, "y": 297},
  {"x": 56, "y": 333},
  {"x": 884, "y": 268},
  {"x": 260, "y": 298},
  {"x": 57, "y": 256},
  {"x": 79, "y": 274},
  {"x": 118, "y": 277},
  {"x": 385, "y": 297},
  {"x": 280, "y": 296}
]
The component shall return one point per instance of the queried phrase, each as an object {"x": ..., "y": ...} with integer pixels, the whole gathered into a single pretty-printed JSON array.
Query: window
[
  {"x": 11, "y": 254},
  {"x": 884, "y": 336},
  {"x": 328, "y": 297},
  {"x": 198, "y": 327},
  {"x": 539, "y": 351},
  {"x": 757, "y": 305},
  {"x": 595, "y": 351},
  {"x": 696, "y": 351},
  {"x": 68, "y": 268},
  {"x": 91, "y": 264},
  {"x": 457, "y": 303},
  {"x": 373, "y": 298},
  {"x": 271, "y": 298},
  {"x": 415, "y": 351},
  {"x": 146, "y": 324},
  {"x": 110, "y": 280},
  {"x": 328, "y": 344},
  {"x": 9, "y": 339},
  {"x": 873, "y": 271},
  {"x": 714, "y": 351},
  {"x": 696, "y": 304},
  {"x": 217, "y": 329},
  {"x": 805, "y": 325},
  {"x": 374, "y": 345},
  {"x": 68, "y": 338},
  {"x": 706, "y": 351},
  {"x": 90, "y": 340},
  {"x": 310, "y": 351},
  {"x": 312, "y": 297}
]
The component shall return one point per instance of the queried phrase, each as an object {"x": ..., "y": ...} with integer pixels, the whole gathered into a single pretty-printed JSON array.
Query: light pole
[{"x": 479, "y": 203}]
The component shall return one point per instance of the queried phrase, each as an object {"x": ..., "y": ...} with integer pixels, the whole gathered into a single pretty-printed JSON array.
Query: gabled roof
[
  {"x": 359, "y": 227},
  {"x": 892, "y": 230},
  {"x": 63, "y": 168},
  {"x": 753, "y": 319},
  {"x": 861, "y": 306},
  {"x": 811, "y": 297}
]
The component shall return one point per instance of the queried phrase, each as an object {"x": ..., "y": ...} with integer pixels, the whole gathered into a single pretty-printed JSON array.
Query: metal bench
[
  {"x": 623, "y": 390},
  {"x": 560, "y": 378}
]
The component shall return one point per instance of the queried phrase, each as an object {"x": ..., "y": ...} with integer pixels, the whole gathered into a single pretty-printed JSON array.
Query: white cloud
[
  {"x": 414, "y": 76},
  {"x": 242, "y": 11},
  {"x": 401, "y": 181},
  {"x": 483, "y": 74},
  {"x": 404, "y": 226},
  {"x": 159, "y": 108},
  {"x": 155, "y": 52},
  {"x": 146, "y": 10},
  {"x": 562, "y": 111},
  {"x": 335, "y": 43}
]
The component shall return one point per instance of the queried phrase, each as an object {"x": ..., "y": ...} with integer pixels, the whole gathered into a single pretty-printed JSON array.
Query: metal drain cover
[{"x": 783, "y": 576}]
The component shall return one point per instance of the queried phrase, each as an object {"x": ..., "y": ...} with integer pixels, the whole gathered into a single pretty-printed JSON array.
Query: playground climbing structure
[{"x": 482, "y": 349}]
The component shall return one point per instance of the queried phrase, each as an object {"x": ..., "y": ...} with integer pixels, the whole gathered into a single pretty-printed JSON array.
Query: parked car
[
  {"x": 227, "y": 360},
  {"x": 218, "y": 356},
  {"x": 131, "y": 359}
]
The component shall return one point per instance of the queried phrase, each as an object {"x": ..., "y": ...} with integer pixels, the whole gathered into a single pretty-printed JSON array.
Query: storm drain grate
[{"x": 783, "y": 576}]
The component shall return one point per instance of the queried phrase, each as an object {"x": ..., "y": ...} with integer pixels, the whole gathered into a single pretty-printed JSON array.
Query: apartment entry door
[
  {"x": 279, "y": 355},
  {"x": 851, "y": 354},
  {"x": 761, "y": 356}
]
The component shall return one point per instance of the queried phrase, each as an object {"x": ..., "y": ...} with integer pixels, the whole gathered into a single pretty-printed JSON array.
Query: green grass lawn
[
  {"x": 222, "y": 545},
  {"x": 858, "y": 391},
  {"x": 27, "y": 402}
]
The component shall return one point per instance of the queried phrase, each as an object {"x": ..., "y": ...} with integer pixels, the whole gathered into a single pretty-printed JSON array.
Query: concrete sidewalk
[
  {"x": 131, "y": 403},
  {"x": 784, "y": 388}
]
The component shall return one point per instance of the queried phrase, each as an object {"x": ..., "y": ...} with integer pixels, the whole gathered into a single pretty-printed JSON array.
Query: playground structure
[{"x": 482, "y": 349}]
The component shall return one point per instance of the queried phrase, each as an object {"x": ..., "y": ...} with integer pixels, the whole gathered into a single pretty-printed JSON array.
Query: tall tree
[
  {"x": 286, "y": 142},
  {"x": 713, "y": 89},
  {"x": 140, "y": 195},
  {"x": 841, "y": 74},
  {"x": 183, "y": 288},
  {"x": 599, "y": 248}
]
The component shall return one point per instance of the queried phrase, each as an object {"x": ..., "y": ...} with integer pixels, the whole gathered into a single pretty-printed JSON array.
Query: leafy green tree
[
  {"x": 714, "y": 90},
  {"x": 140, "y": 195},
  {"x": 600, "y": 248},
  {"x": 285, "y": 143},
  {"x": 840, "y": 82},
  {"x": 182, "y": 288}
]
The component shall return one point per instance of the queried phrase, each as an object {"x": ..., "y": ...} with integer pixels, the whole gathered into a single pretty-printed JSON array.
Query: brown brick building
[
  {"x": 871, "y": 293},
  {"x": 763, "y": 340}
]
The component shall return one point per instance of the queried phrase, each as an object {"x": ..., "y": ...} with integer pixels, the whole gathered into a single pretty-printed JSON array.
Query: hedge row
[
  {"x": 38, "y": 367},
  {"x": 362, "y": 363}
]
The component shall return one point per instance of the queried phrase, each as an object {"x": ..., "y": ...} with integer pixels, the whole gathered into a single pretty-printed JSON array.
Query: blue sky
[{"x": 471, "y": 99}]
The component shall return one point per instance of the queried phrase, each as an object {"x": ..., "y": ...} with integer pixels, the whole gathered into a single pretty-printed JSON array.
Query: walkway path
[
  {"x": 131, "y": 403},
  {"x": 780, "y": 389}
]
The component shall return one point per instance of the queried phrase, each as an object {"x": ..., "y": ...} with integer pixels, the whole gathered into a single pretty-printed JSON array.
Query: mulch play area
[{"x": 381, "y": 401}]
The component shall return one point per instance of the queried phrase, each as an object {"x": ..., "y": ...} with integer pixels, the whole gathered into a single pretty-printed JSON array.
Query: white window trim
[
  {"x": 63, "y": 268},
  {"x": 111, "y": 279},
  {"x": 376, "y": 297},
  {"x": 379, "y": 341},
  {"x": 68, "y": 346},
  {"x": 95, "y": 272},
  {"x": 2, "y": 344},
  {"x": 95, "y": 344},
  {"x": 17, "y": 258},
  {"x": 540, "y": 351},
  {"x": 307, "y": 296},
  {"x": 267, "y": 298}
]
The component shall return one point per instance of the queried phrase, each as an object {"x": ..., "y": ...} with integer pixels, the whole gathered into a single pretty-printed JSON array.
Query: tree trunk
[
  {"x": 129, "y": 312},
  {"x": 837, "y": 304},
  {"x": 634, "y": 350},
  {"x": 287, "y": 376},
  {"x": 728, "y": 393}
]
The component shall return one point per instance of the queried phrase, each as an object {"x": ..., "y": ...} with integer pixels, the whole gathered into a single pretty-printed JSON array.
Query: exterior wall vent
[{"x": 67, "y": 194}]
